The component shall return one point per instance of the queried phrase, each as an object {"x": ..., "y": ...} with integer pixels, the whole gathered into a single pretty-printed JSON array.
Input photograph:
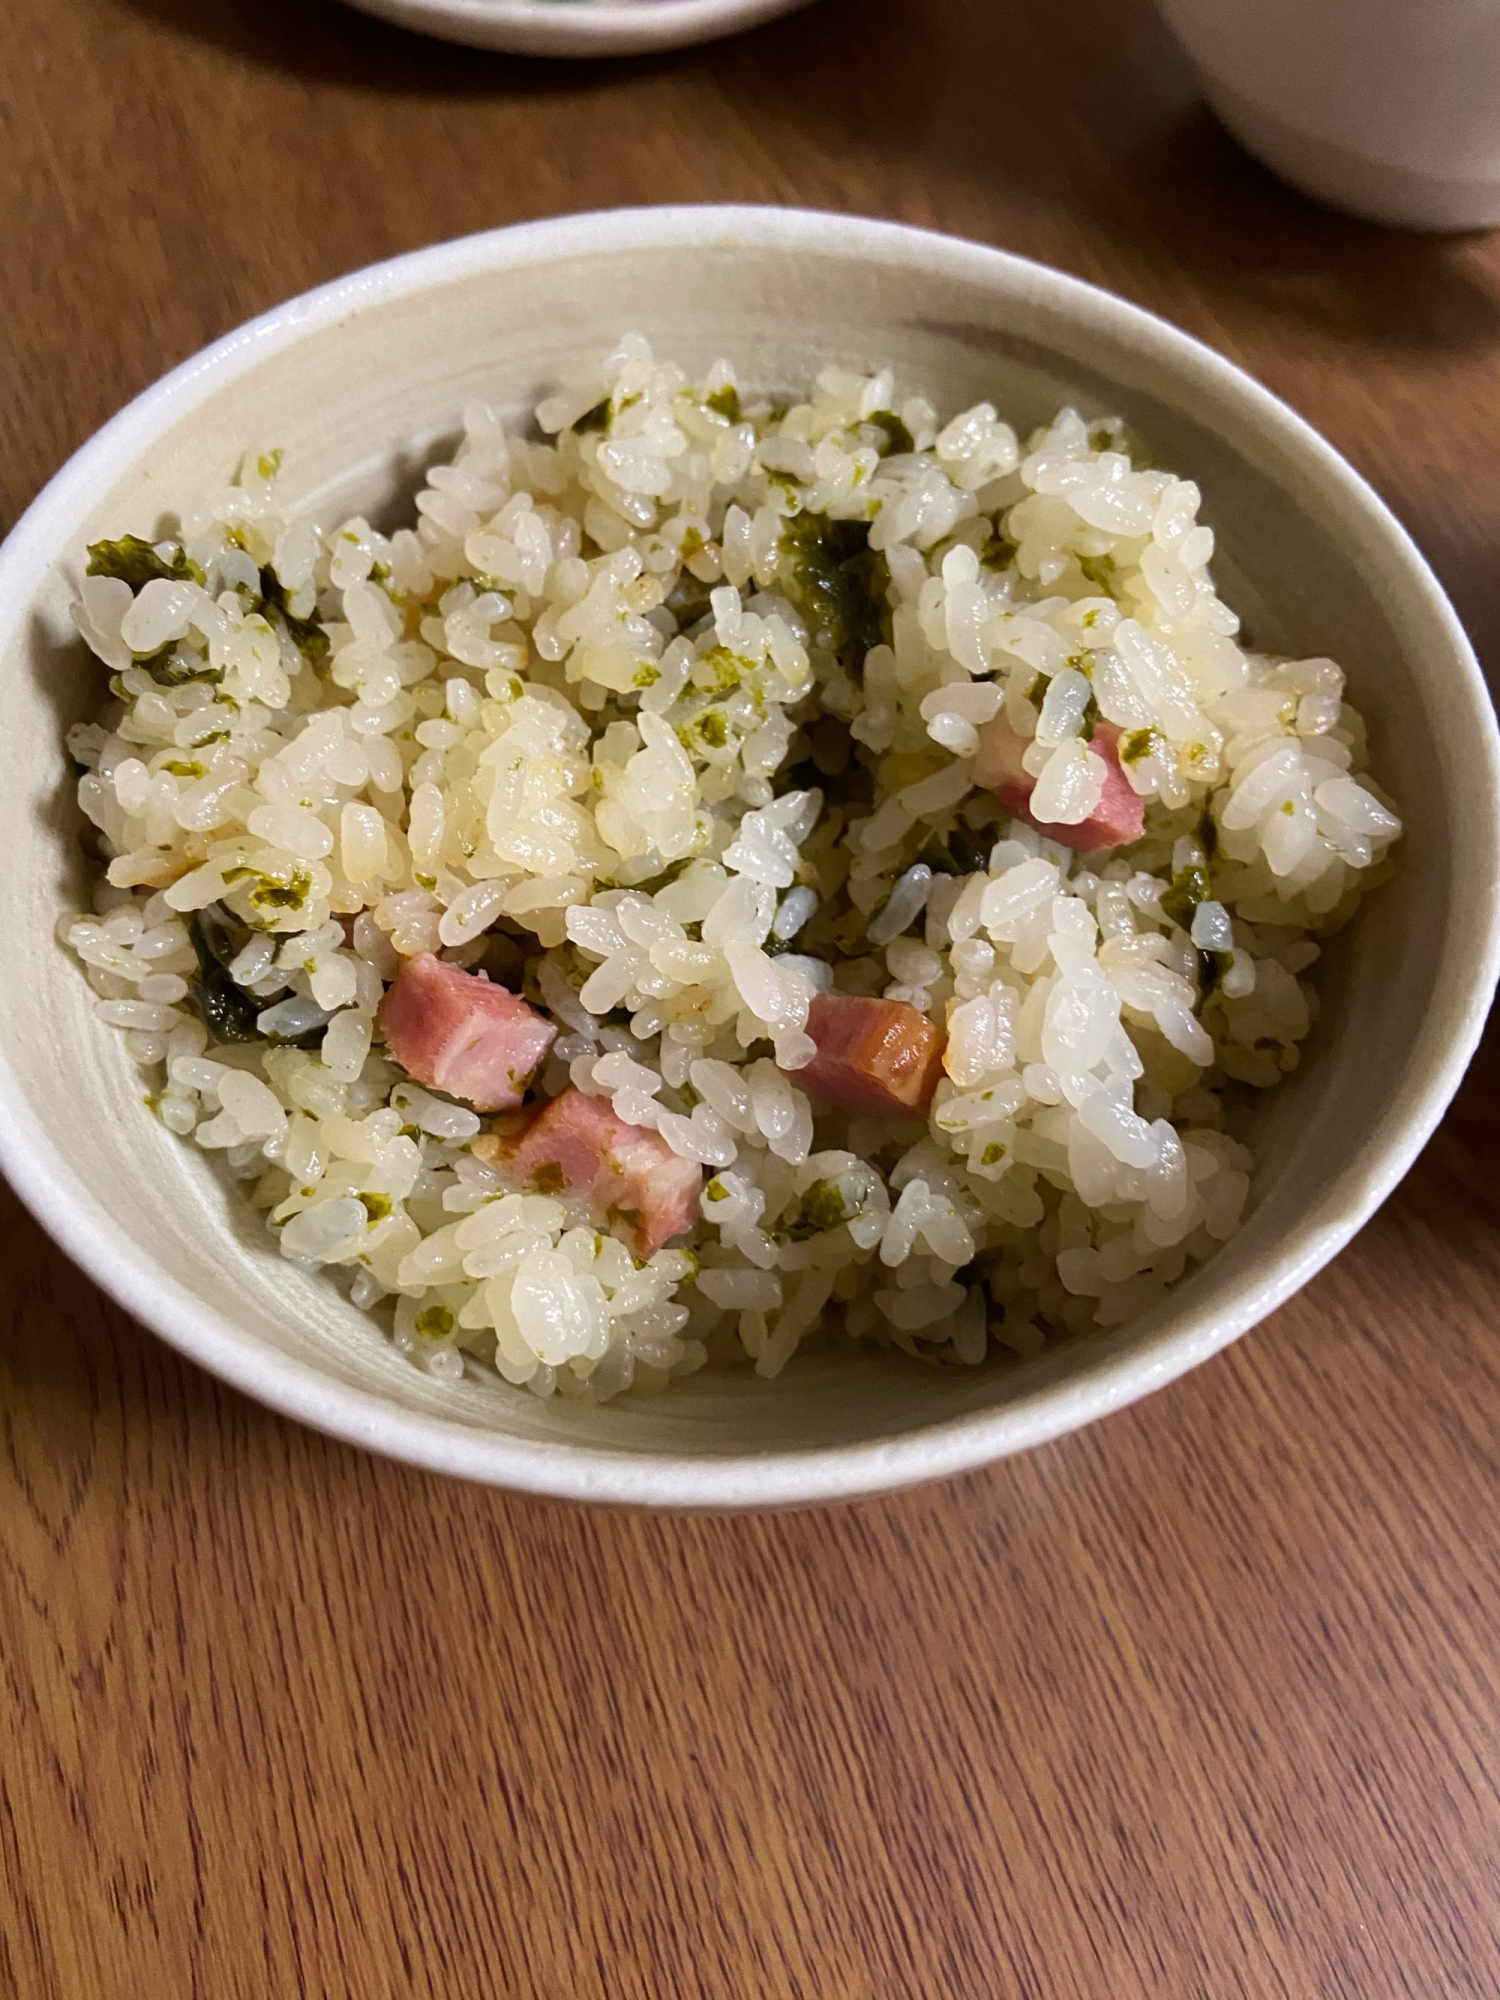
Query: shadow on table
[
  {"x": 1090, "y": 109},
  {"x": 1466, "y": 1146},
  {"x": 1343, "y": 278}
]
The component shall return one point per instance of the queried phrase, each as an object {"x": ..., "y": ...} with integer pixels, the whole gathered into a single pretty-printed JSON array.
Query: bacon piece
[
  {"x": 1117, "y": 819},
  {"x": 629, "y": 1176},
  {"x": 462, "y": 1034},
  {"x": 878, "y": 1058}
]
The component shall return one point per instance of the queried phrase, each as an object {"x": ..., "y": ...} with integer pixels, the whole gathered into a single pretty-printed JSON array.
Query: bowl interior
[{"x": 359, "y": 398}]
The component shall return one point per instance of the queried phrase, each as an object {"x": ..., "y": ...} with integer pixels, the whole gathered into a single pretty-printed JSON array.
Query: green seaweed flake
[
  {"x": 1111, "y": 434},
  {"x": 821, "y": 1209},
  {"x": 688, "y": 600},
  {"x": 226, "y": 1010},
  {"x": 171, "y": 668},
  {"x": 956, "y": 852},
  {"x": 728, "y": 669},
  {"x": 1190, "y": 887},
  {"x": 725, "y": 402},
  {"x": 137, "y": 563},
  {"x": 997, "y": 552},
  {"x": 269, "y": 892},
  {"x": 898, "y": 439},
  {"x": 843, "y": 583},
  {"x": 1139, "y": 744},
  {"x": 305, "y": 634},
  {"x": 1212, "y": 966}
]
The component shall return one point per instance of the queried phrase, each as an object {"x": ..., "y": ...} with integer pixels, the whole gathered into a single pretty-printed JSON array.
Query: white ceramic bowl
[
  {"x": 578, "y": 27},
  {"x": 359, "y": 381},
  {"x": 1390, "y": 108}
]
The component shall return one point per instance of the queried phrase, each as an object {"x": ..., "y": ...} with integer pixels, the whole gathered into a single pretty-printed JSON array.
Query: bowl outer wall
[
  {"x": 1346, "y": 1182},
  {"x": 584, "y": 28}
]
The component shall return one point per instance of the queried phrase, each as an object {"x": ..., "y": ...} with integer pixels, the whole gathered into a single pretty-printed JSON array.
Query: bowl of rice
[{"x": 721, "y": 856}]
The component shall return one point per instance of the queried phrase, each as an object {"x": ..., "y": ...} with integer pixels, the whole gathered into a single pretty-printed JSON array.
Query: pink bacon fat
[
  {"x": 632, "y": 1180},
  {"x": 463, "y": 1034},
  {"x": 876, "y": 1058},
  {"x": 1118, "y": 818}
]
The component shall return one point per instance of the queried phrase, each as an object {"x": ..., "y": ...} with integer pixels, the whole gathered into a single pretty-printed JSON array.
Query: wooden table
[{"x": 1203, "y": 1704}]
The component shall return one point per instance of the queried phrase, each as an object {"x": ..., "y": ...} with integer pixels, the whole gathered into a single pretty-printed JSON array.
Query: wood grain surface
[{"x": 1203, "y": 1704}]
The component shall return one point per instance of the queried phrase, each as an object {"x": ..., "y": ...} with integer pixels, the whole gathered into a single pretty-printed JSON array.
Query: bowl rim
[
  {"x": 102, "y": 1248},
  {"x": 586, "y": 28}
]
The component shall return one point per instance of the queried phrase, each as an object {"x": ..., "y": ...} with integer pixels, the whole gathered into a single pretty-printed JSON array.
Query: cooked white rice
[{"x": 625, "y": 720}]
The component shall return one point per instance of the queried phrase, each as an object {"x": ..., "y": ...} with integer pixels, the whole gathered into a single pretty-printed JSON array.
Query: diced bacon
[
  {"x": 878, "y": 1058},
  {"x": 630, "y": 1177},
  {"x": 462, "y": 1034},
  {"x": 1117, "y": 819}
]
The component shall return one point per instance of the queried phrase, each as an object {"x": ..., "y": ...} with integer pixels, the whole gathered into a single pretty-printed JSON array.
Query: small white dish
[
  {"x": 360, "y": 381},
  {"x": 578, "y": 27}
]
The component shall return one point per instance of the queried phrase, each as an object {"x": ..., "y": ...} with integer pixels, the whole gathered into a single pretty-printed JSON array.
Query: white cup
[{"x": 1390, "y": 108}]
